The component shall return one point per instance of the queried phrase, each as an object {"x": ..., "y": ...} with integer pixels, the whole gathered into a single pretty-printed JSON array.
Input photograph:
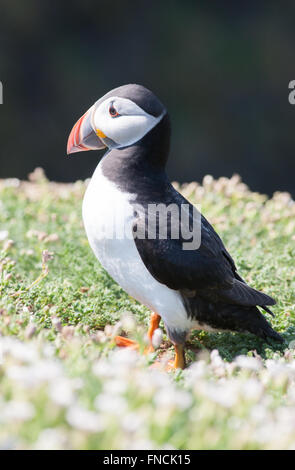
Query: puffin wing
[{"x": 208, "y": 271}]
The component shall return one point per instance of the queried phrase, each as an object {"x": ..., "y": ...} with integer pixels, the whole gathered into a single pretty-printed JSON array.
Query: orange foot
[
  {"x": 123, "y": 342},
  {"x": 179, "y": 361}
]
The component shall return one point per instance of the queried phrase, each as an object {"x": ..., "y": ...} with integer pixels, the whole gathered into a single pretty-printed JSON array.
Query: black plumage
[{"x": 212, "y": 290}]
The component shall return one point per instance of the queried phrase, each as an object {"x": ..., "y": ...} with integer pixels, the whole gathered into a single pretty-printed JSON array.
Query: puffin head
[{"x": 119, "y": 119}]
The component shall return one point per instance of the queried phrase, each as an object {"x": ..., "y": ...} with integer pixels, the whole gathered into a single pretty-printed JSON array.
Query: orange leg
[
  {"x": 121, "y": 341},
  {"x": 179, "y": 360},
  {"x": 177, "y": 363}
]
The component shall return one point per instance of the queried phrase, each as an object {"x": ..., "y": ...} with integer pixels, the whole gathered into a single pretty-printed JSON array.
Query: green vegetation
[{"x": 63, "y": 382}]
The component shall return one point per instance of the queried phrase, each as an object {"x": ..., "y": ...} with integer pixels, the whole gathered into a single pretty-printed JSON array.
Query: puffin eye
[{"x": 113, "y": 112}]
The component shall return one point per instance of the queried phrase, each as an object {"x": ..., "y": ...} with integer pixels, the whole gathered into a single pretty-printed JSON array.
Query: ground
[{"x": 64, "y": 384}]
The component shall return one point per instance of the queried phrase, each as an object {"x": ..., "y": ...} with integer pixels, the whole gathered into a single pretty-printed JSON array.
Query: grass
[{"x": 65, "y": 385}]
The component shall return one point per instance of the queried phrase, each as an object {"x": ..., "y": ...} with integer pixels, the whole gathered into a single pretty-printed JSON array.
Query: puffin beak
[{"x": 83, "y": 136}]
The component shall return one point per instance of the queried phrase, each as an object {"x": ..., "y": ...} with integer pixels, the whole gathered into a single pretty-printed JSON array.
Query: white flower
[
  {"x": 251, "y": 363},
  {"x": 124, "y": 357},
  {"x": 158, "y": 379},
  {"x": 216, "y": 360},
  {"x": 171, "y": 397},
  {"x": 278, "y": 370},
  {"x": 83, "y": 419},
  {"x": 259, "y": 413},
  {"x": 234, "y": 422},
  {"x": 157, "y": 338},
  {"x": 214, "y": 354},
  {"x": 12, "y": 182},
  {"x": 195, "y": 372},
  {"x": 224, "y": 394},
  {"x": 17, "y": 349},
  {"x": 252, "y": 389},
  {"x": 102, "y": 369},
  {"x": 115, "y": 387},
  {"x": 51, "y": 439},
  {"x": 61, "y": 392},
  {"x": 266, "y": 432},
  {"x": 132, "y": 422},
  {"x": 16, "y": 411},
  {"x": 3, "y": 235},
  {"x": 112, "y": 404},
  {"x": 25, "y": 309},
  {"x": 128, "y": 322},
  {"x": 35, "y": 374}
]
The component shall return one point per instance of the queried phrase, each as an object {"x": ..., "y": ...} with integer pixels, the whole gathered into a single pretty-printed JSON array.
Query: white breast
[{"x": 106, "y": 209}]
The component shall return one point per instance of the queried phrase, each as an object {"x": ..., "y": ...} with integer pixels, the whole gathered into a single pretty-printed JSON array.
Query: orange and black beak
[{"x": 83, "y": 136}]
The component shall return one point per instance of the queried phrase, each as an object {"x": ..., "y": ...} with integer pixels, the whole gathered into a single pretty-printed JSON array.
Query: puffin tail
[{"x": 261, "y": 328}]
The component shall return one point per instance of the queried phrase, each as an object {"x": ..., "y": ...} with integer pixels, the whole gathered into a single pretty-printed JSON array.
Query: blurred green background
[{"x": 221, "y": 68}]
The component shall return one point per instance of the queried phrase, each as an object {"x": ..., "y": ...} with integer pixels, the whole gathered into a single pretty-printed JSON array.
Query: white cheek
[
  {"x": 128, "y": 128},
  {"x": 125, "y": 130}
]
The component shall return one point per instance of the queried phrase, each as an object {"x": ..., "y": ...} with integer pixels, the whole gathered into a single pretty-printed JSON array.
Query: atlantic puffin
[{"x": 188, "y": 289}]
